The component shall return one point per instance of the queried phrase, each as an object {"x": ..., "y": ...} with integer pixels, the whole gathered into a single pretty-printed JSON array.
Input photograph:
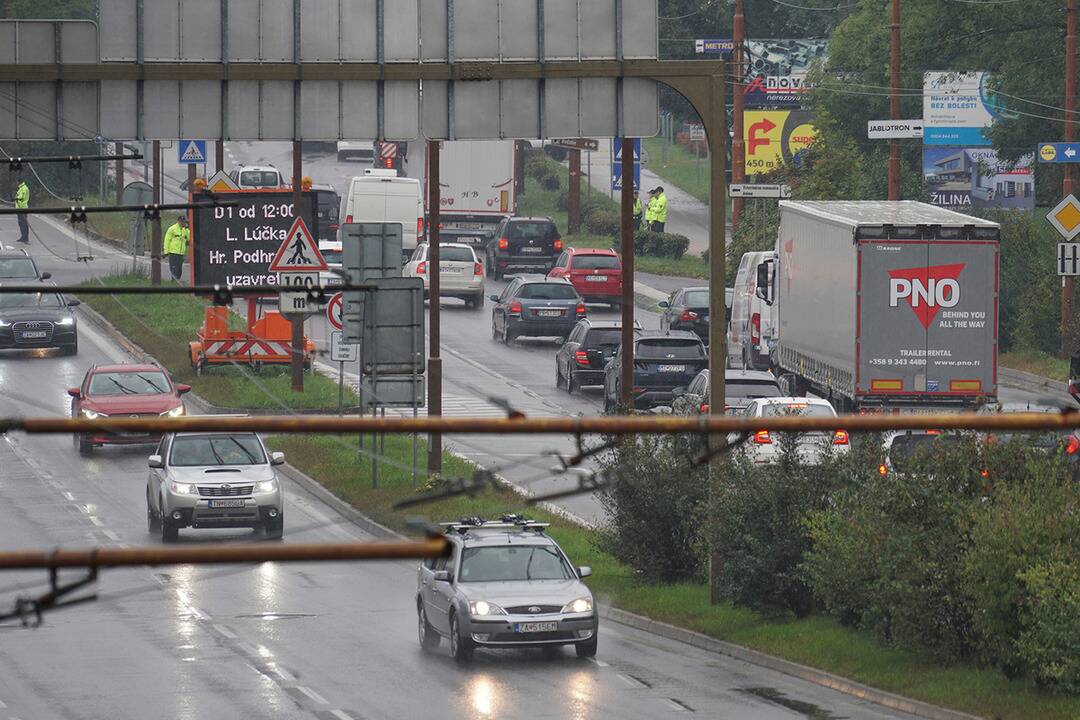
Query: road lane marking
[
  {"x": 69, "y": 497},
  {"x": 96, "y": 520},
  {"x": 111, "y": 535},
  {"x": 224, "y": 631},
  {"x": 313, "y": 695},
  {"x": 675, "y": 705},
  {"x": 631, "y": 681}
]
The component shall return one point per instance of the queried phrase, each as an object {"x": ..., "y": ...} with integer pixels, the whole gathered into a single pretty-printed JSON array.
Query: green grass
[
  {"x": 679, "y": 167},
  {"x": 1037, "y": 363},
  {"x": 163, "y": 325},
  {"x": 818, "y": 641}
]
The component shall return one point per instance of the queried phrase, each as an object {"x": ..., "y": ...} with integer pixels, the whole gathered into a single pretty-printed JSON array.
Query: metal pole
[
  {"x": 119, "y": 175},
  {"x": 341, "y": 388},
  {"x": 1068, "y": 284},
  {"x": 717, "y": 282},
  {"x": 573, "y": 199},
  {"x": 894, "y": 102},
  {"x": 155, "y": 237},
  {"x": 219, "y": 154},
  {"x": 626, "y": 381},
  {"x": 296, "y": 361},
  {"x": 434, "y": 463},
  {"x": 738, "y": 148}
]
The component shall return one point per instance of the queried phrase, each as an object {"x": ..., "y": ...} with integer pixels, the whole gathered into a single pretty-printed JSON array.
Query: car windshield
[
  {"x": 129, "y": 383},
  {"x": 911, "y": 450},
  {"x": 17, "y": 268},
  {"x": 596, "y": 262},
  {"x": 547, "y": 291},
  {"x": 513, "y": 562},
  {"x": 603, "y": 338},
  {"x": 456, "y": 254},
  {"x": 670, "y": 350},
  {"x": 746, "y": 389},
  {"x": 532, "y": 231},
  {"x": 259, "y": 178},
  {"x": 696, "y": 298},
  {"x": 29, "y": 300},
  {"x": 328, "y": 204},
  {"x": 199, "y": 450},
  {"x": 802, "y": 409},
  {"x": 332, "y": 257}
]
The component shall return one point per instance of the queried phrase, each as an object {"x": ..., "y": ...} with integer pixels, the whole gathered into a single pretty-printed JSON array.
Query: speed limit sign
[{"x": 334, "y": 309}]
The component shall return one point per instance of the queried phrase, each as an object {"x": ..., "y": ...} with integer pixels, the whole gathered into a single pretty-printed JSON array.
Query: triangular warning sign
[
  {"x": 299, "y": 252},
  {"x": 221, "y": 182},
  {"x": 192, "y": 153}
]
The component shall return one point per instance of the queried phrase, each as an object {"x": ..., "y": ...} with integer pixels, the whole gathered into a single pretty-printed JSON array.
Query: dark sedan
[
  {"x": 533, "y": 306},
  {"x": 662, "y": 363},
  {"x": 688, "y": 309},
  {"x": 38, "y": 320}
]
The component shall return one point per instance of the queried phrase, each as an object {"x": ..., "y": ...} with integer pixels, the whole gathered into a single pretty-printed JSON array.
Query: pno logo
[{"x": 926, "y": 289}]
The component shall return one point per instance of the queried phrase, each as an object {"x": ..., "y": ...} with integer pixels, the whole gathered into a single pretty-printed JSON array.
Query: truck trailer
[
  {"x": 884, "y": 305},
  {"x": 477, "y": 182}
]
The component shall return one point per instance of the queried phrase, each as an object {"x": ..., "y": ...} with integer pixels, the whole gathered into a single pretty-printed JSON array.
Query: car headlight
[
  {"x": 581, "y": 605},
  {"x": 4, "y": 323},
  {"x": 66, "y": 321},
  {"x": 266, "y": 486},
  {"x": 183, "y": 488},
  {"x": 88, "y": 413},
  {"x": 481, "y": 608},
  {"x": 175, "y": 412}
]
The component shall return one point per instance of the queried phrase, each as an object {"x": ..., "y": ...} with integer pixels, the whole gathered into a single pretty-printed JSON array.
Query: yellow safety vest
[
  {"x": 176, "y": 240},
  {"x": 660, "y": 212},
  {"x": 22, "y": 196}
]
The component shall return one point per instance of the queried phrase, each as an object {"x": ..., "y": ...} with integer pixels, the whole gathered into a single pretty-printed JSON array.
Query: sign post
[
  {"x": 894, "y": 129},
  {"x": 298, "y": 263},
  {"x": 743, "y": 190}
]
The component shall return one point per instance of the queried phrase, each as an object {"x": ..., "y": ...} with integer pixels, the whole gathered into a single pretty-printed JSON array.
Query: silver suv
[
  {"x": 214, "y": 480},
  {"x": 504, "y": 584}
]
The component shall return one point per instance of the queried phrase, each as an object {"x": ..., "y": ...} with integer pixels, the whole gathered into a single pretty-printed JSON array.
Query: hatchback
[
  {"x": 461, "y": 275},
  {"x": 533, "y": 306},
  {"x": 595, "y": 274}
]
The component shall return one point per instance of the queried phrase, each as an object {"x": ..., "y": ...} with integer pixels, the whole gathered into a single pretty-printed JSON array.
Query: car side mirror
[
  {"x": 444, "y": 576},
  {"x": 155, "y": 461},
  {"x": 584, "y": 571},
  {"x": 74, "y": 392},
  {"x": 663, "y": 304},
  {"x": 74, "y": 303},
  {"x": 763, "y": 291},
  {"x": 277, "y": 458},
  {"x": 493, "y": 298},
  {"x": 182, "y": 388},
  {"x": 46, "y": 275}
]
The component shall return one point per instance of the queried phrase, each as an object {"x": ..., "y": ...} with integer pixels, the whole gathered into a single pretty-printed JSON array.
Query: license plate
[
  {"x": 447, "y": 269},
  {"x": 530, "y": 250},
  {"x": 31, "y": 334},
  {"x": 536, "y": 627},
  {"x": 549, "y": 313},
  {"x": 672, "y": 368},
  {"x": 230, "y": 503},
  {"x": 596, "y": 278},
  {"x": 467, "y": 226}
]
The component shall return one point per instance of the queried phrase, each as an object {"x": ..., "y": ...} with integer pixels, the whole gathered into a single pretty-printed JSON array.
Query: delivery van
[{"x": 380, "y": 196}]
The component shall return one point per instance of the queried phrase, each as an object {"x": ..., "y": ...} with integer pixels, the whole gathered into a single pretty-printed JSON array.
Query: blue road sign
[
  {"x": 191, "y": 152},
  {"x": 1059, "y": 152},
  {"x": 616, "y": 149},
  {"x": 616, "y": 164}
]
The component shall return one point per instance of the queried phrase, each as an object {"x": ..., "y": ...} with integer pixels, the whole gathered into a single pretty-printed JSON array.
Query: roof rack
[{"x": 519, "y": 522}]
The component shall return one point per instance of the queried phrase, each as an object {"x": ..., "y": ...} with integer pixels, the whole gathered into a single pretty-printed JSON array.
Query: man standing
[
  {"x": 22, "y": 202},
  {"x": 637, "y": 211},
  {"x": 650, "y": 210},
  {"x": 659, "y": 210},
  {"x": 175, "y": 245}
]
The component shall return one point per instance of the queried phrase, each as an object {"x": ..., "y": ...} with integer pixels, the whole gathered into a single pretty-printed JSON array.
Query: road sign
[
  {"x": 388, "y": 150},
  {"x": 894, "y": 129},
  {"x": 714, "y": 46},
  {"x": 369, "y": 250},
  {"x": 296, "y": 303},
  {"x": 334, "y": 310},
  {"x": 191, "y": 152},
  {"x": 577, "y": 143},
  {"x": 298, "y": 280},
  {"x": 1068, "y": 255},
  {"x": 221, "y": 182},
  {"x": 616, "y": 152},
  {"x": 1059, "y": 152},
  {"x": 1066, "y": 217},
  {"x": 299, "y": 252},
  {"x": 697, "y": 131},
  {"x": 616, "y": 164},
  {"x": 745, "y": 190},
  {"x": 340, "y": 351},
  {"x": 393, "y": 337}
]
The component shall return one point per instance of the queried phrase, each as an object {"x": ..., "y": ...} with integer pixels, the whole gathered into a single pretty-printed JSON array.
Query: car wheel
[
  {"x": 429, "y": 639},
  {"x": 153, "y": 520},
  {"x": 508, "y": 335},
  {"x": 496, "y": 273},
  {"x": 572, "y": 384},
  {"x": 274, "y": 530},
  {"x": 607, "y": 402},
  {"x": 558, "y": 376},
  {"x": 169, "y": 532},
  {"x": 72, "y": 349},
  {"x": 478, "y": 301},
  {"x": 461, "y": 649},
  {"x": 587, "y": 649},
  {"x": 85, "y": 448},
  {"x": 494, "y": 330}
]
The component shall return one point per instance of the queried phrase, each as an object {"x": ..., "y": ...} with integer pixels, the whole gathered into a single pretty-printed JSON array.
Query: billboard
[
  {"x": 957, "y": 108},
  {"x": 776, "y": 71},
  {"x": 963, "y": 178},
  {"x": 774, "y": 138}
]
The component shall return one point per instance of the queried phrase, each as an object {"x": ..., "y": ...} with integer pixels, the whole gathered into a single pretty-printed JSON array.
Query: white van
[
  {"x": 380, "y": 196},
  {"x": 750, "y": 333}
]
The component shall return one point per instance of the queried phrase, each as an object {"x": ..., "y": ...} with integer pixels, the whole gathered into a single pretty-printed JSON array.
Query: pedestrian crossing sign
[
  {"x": 191, "y": 152},
  {"x": 299, "y": 252}
]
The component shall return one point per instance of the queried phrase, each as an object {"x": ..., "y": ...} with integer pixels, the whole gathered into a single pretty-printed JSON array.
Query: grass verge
[
  {"x": 162, "y": 325},
  {"x": 679, "y": 167},
  {"x": 1037, "y": 363},
  {"x": 819, "y": 642}
]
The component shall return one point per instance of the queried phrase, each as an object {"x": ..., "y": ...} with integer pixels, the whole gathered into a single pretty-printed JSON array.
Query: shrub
[
  {"x": 602, "y": 222},
  {"x": 537, "y": 165},
  {"x": 551, "y": 180},
  {"x": 647, "y": 242},
  {"x": 1049, "y": 643}
]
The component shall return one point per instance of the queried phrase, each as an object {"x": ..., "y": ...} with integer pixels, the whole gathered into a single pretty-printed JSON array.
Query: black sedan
[
  {"x": 581, "y": 360},
  {"x": 688, "y": 309},
  {"x": 534, "y": 306},
  {"x": 38, "y": 320}
]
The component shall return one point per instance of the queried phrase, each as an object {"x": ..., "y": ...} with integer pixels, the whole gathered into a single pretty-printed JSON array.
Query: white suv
[
  {"x": 764, "y": 447},
  {"x": 461, "y": 274}
]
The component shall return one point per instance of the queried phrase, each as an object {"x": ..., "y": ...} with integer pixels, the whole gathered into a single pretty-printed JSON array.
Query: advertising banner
[
  {"x": 776, "y": 71},
  {"x": 963, "y": 178},
  {"x": 774, "y": 138},
  {"x": 957, "y": 108}
]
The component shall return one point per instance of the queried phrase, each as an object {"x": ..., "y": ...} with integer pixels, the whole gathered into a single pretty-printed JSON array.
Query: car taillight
[
  {"x": 882, "y": 470},
  {"x": 761, "y": 437},
  {"x": 333, "y": 226},
  {"x": 558, "y": 243},
  {"x": 984, "y": 473},
  {"x": 582, "y": 357},
  {"x": 1072, "y": 445},
  {"x": 580, "y": 309},
  {"x": 348, "y": 219},
  {"x": 840, "y": 437},
  {"x": 515, "y": 308},
  {"x": 504, "y": 243},
  {"x": 688, "y": 315},
  {"x": 704, "y": 408},
  {"x": 388, "y": 163},
  {"x": 477, "y": 269},
  {"x": 755, "y": 328},
  {"x": 421, "y": 267}
]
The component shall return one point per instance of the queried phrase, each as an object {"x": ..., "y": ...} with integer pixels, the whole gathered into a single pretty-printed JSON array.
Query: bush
[
  {"x": 647, "y": 242},
  {"x": 653, "y": 508},
  {"x": 1049, "y": 643},
  {"x": 537, "y": 165},
  {"x": 603, "y": 222},
  {"x": 551, "y": 180}
]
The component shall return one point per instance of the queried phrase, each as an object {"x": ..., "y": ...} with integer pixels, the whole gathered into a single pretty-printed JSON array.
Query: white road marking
[
  {"x": 632, "y": 682},
  {"x": 599, "y": 663},
  {"x": 69, "y": 497},
  {"x": 111, "y": 535},
  {"x": 284, "y": 674},
  {"x": 96, "y": 520},
  {"x": 225, "y": 631},
  {"x": 2, "y": 705},
  {"x": 341, "y": 715},
  {"x": 313, "y": 695},
  {"x": 674, "y": 705}
]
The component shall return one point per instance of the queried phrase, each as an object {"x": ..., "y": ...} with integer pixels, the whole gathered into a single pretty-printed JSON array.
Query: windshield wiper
[
  {"x": 528, "y": 565},
  {"x": 217, "y": 456},
  {"x": 149, "y": 382},
  {"x": 244, "y": 449},
  {"x": 124, "y": 388}
]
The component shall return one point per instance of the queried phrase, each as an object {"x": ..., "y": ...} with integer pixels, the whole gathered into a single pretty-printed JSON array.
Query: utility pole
[
  {"x": 296, "y": 363},
  {"x": 119, "y": 174},
  {"x": 894, "y": 103},
  {"x": 1068, "y": 284},
  {"x": 738, "y": 149},
  {"x": 573, "y": 196},
  {"x": 434, "y": 463},
  {"x": 626, "y": 227},
  {"x": 219, "y": 155},
  {"x": 155, "y": 235}
]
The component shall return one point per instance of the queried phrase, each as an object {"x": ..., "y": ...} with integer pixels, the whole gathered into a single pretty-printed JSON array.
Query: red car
[
  {"x": 128, "y": 390},
  {"x": 596, "y": 274}
]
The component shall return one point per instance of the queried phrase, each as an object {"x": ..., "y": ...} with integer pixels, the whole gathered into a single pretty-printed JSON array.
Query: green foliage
[
  {"x": 757, "y": 230},
  {"x": 602, "y": 222},
  {"x": 664, "y": 245},
  {"x": 1050, "y": 617},
  {"x": 550, "y": 181}
]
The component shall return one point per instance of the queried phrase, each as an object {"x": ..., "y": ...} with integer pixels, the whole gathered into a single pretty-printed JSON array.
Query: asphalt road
[{"x": 289, "y": 641}]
